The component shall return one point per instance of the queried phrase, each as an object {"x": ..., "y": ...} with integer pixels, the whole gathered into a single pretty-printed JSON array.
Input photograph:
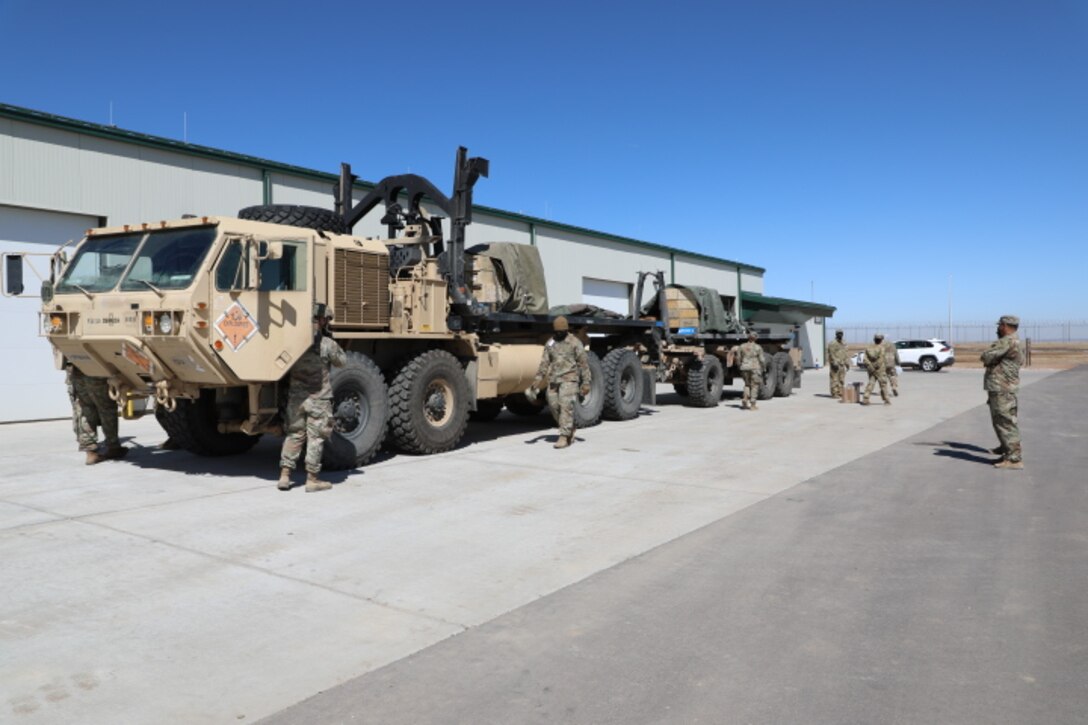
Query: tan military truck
[{"x": 207, "y": 315}]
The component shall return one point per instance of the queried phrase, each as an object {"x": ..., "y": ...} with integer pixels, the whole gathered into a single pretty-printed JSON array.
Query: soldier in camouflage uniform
[
  {"x": 91, "y": 408},
  {"x": 838, "y": 358},
  {"x": 1002, "y": 382},
  {"x": 876, "y": 367},
  {"x": 750, "y": 359},
  {"x": 565, "y": 370},
  {"x": 309, "y": 406},
  {"x": 891, "y": 359}
]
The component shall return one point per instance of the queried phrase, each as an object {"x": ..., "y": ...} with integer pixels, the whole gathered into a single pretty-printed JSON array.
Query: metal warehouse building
[{"x": 59, "y": 177}]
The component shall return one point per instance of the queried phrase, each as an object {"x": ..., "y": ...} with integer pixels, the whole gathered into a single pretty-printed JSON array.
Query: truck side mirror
[{"x": 13, "y": 275}]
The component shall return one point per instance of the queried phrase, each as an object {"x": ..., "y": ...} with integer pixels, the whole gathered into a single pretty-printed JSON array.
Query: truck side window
[
  {"x": 230, "y": 272},
  {"x": 288, "y": 273}
]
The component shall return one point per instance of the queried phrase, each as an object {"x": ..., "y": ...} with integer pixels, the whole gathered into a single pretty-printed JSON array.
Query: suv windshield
[
  {"x": 166, "y": 259},
  {"x": 169, "y": 259},
  {"x": 99, "y": 263}
]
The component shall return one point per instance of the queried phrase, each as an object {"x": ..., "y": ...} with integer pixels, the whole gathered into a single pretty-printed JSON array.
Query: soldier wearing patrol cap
[
  {"x": 309, "y": 405},
  {"x": 838, "y": 359},
  {"x": 565, "y": 370},
  {"x": 1002, "y": 382}
]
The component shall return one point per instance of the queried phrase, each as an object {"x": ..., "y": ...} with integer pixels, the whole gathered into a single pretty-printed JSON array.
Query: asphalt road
[{"x": 916, "y": 584}]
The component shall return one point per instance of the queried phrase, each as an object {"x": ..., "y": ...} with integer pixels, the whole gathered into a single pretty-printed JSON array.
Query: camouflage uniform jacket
[
  {"x": 891, "y": 355},
  {"x": 1002, "y": 363},
  {"x": 563, "y": 361},
  {"x": 874, "y": 357},
  {"x": 750, "y": 356},
  {"x": 837, "y": 354},
  {"x": 310, "y": 374}
]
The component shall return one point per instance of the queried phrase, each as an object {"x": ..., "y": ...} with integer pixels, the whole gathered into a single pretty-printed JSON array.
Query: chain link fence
[{"x": 1038, "y": 331}]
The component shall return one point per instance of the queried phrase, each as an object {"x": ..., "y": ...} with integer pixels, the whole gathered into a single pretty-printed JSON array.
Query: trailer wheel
[
  {"x": 309, "y": 217},
  {"x": 623, "y": 384},
  {"x": 705, "y": 381},
  {"x": 487, "y": 409},
  {"x": 429, "y": 403},
  {"x": 360, "y": 409},
  {"x": 784, "y": 373},
  {"x": 194, "y": 426},
  {"x": 770, "y": 377},
  {"x": 518, "y": 404},
  {"x": 587, "y": 411}
]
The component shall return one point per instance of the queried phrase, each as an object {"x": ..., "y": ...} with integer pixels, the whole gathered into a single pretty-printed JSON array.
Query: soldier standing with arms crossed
[
  {"x": 839, "y": 359},
  {"x": 1001, "y": 382},
  {"x": 891, "y": 359},
  {"x": 875, "y": 365},
  {"x": 565, "y": 370},
  {"x": 309, "y": 406},
  {"x": 91, "y": 408},
  {"x": 751, "y": 369}
]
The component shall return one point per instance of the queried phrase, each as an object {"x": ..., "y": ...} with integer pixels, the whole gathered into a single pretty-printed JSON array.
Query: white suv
[{"x": 929, "y": 355}]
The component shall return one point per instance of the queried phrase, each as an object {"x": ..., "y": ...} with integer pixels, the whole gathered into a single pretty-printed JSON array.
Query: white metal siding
[
  {"x": 751, "y": 281},
  {"x": 706, "y": 274},
  {"x": 31, "y": 387}
]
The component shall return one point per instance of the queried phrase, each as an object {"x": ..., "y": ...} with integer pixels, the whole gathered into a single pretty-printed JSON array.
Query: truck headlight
[{"x": 166, "y": 323}]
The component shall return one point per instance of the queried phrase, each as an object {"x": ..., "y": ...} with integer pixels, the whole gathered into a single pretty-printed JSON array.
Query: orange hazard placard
[{"x": 236, "y": 326}]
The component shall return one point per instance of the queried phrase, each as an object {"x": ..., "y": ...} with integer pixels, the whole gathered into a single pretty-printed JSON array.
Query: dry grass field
[{"x": 1044, "y": 355}]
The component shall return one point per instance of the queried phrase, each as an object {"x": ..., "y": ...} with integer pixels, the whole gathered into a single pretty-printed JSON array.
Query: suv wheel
[{"x": 929, "y": 364}]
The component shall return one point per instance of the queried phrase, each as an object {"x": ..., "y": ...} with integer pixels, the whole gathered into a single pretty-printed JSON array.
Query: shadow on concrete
[{"x": 963, "y": 451}]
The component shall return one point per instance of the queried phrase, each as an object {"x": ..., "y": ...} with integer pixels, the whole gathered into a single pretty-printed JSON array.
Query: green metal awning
[{"x": 759, "y": 308}]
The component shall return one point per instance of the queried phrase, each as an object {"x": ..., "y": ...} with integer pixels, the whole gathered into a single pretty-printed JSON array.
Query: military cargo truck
[{"x": 207, "y": 315}]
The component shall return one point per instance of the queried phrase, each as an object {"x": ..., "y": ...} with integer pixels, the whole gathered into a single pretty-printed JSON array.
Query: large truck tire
[
  {"x": 681, "y": 389},
  {"x": 518, "y": 404},
  {"x": 622, "y": 384},
  {"x": 486, "y": 410},
  {"x": 428, "y": 403},
  {"x": 783, "y": 374},
  {"x": 588, "y": 410},
  {"x": 194, "y": 426},
  {"x": 705, "y": 380},
  {"x": 360, "y": 409},
  {"x": 309, "y": 217},
  {"x": 770, "y": 377}
]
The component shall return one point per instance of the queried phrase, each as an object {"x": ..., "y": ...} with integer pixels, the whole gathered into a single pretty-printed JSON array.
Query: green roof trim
[
  {"x": 113, "y": 133},
  {"x": 753, "y": 300}
]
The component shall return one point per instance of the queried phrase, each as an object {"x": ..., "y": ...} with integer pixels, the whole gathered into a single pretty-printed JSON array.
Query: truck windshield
[
  {"x": 169, "y": 259},
  {"x": 99, "y": 263},
  {"x": 165, "y": 259}
]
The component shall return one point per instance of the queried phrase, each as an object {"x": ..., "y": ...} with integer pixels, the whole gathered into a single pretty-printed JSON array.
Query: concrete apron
[{"x": 167, "y": 587}]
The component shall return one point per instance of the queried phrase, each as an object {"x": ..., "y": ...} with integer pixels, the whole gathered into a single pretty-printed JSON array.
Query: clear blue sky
[{"x": 864, "y": 150}]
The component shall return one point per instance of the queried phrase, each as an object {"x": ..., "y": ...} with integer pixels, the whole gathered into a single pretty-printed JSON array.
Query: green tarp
[
  {"x": 522, "y": 276},
  {"x": 713, "y": 317}
]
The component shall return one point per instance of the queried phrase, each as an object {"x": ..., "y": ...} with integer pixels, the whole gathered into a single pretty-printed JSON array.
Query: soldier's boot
[
  {"x": 753, "y": 406},
  {"x": 865, "y": 400},
  {"x": 313, "y": 483},
  {"x": 1000, "y": 451},
  {"x": 114, "y": 452},
  {"x": 895, "y": 392},
  {"x": 744, "y": 404},
  {"x": 570, "y": 438},
  {"x": 284, "y": 484},
  {"x": 1013, "y": 465},
  {"x": 93, "y": 458},
  {"x": 887, "y": 401},
  {"x": 562, "y": 442}
]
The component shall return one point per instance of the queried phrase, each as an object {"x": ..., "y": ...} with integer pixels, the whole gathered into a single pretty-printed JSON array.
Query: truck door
[{"x": 262, "y": 305}]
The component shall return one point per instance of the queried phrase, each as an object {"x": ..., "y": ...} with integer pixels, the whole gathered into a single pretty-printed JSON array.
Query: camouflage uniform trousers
[
  {"x": 893, "y": 378},
  {"x": 309, "y": 424},
  {"x": 877, "y": 376},
  {"x": 838, "y": 379},
  {"x": 561, "y": 399},
  {"x": 752, "y": 381},
  {"x": 1003, "y": 414},
  {"x": 92, "y": 408}
]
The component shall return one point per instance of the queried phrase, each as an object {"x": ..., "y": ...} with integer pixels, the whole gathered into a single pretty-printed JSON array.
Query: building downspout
[
  {"x": 532, "y": 234},
  {"x": 266, "y": 184},
  {"x": 672, "y": 267},
  {"x": 740, "y": 310}
]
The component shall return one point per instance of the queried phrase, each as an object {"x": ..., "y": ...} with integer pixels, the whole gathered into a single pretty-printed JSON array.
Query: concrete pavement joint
[{"x": 278, "y": 575}]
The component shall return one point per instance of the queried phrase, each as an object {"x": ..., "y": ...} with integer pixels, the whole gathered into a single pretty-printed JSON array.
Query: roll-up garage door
[
  {"x": 607, "y": 294},
  {"x": 31, "y": 388}
]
